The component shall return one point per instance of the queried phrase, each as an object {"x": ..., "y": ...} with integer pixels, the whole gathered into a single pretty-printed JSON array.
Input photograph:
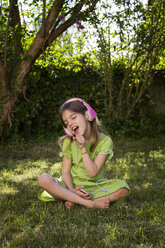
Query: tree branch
[
  {"x": 76, "y": 11},
  {"x": 39, "y": 44},
  {"x": 43, "y": 18}
]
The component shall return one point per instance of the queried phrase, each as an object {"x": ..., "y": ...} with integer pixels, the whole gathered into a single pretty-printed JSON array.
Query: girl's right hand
[
  {"x": 83, "y": 195},
  {"x": 80, "y": 141}
]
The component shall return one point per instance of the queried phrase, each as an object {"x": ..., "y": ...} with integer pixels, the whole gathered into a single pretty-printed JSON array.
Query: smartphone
[{"x": 83, "y": 191}]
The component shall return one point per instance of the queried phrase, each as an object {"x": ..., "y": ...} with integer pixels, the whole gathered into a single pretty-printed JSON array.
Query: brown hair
[{"x": 79, "y": 107}]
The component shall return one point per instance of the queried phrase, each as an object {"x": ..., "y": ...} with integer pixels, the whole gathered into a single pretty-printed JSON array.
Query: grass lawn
[{"x": 136, "y": 222}]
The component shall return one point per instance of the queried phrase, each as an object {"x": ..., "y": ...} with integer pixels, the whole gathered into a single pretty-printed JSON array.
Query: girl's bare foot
[
  {"x": 68, "y": 205},
  {"x": 107, "y": 197},
  {"x": 99, "y": 203},
  {"x": 102, "y": 203}
]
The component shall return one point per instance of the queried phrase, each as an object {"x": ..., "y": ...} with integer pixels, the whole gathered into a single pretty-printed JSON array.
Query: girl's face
[{"x": 76, "y": 123}]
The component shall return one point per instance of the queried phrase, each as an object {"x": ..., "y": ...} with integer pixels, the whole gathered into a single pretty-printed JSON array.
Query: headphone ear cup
[
  {"x": 90, "y": 111},
  {"x": 67, "y": 132},
  {"x": 87, "y": 115}
]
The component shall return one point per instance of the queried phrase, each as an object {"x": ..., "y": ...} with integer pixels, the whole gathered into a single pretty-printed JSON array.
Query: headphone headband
[{"x": 91, "y": 114}]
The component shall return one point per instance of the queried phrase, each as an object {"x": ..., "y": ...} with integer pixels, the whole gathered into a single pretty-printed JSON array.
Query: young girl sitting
[{"x": 85, "y": 150}]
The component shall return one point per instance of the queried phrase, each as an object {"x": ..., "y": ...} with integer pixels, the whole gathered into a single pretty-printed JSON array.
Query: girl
[{"x": 85, "y": 150}]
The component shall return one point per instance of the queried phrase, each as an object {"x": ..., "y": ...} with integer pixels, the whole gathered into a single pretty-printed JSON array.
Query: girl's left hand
[
  {"x": 80, "y": 140},
  {"x": 77, "y": 190}
]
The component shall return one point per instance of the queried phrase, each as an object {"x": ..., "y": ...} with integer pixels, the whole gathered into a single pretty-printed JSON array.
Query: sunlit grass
[{"x": 136, "y": 222}]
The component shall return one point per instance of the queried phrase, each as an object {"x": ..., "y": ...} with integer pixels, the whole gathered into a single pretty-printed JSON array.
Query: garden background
[{"x": 110, "y": 53}]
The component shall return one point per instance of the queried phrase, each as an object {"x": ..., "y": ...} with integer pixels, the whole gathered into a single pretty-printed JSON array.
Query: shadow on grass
[
  {"x": 11, "y": 154},
  {"x": 137, "y": 221}
]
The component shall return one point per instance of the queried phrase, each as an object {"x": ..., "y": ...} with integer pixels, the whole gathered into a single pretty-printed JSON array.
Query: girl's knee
[
  {"x": 125, "y": 191},
  {"x": 44, "y": 179}
]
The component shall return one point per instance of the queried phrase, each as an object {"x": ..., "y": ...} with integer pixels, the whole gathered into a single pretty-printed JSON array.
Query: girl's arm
[
  {"x": 92, "y": 167},
  {"x": 66, "y": 173},
  {"x": 67, "y": 178}
]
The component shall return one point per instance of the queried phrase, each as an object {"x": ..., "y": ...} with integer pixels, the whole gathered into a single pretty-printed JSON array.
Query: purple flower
[
  {"x": 61, "y": 17},
  {"x": 78, "y": 21},
  {"x": 80, "y": 27}
]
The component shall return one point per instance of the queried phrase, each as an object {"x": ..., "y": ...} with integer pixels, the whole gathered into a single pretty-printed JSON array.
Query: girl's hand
[
  {"x": 83, "y": 195},
  {"x": 80, "y": 140}
]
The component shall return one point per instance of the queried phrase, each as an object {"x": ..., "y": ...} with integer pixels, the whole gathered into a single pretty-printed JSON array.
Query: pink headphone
[{"x": 90, "y": 113}]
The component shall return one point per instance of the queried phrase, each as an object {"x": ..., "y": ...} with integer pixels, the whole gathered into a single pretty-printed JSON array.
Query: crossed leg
[
  {"x": 116, "y": 196},
  {"x": 53, "y": 187}
]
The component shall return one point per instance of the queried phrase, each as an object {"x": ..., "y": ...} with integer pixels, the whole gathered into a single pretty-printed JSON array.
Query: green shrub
[{"x": 37, "y": 115}]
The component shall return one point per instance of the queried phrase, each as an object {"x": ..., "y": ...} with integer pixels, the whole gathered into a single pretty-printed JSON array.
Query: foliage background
[{"x": 48, "y": 87}]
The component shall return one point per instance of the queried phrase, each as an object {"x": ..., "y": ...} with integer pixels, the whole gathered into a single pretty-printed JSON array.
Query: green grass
[{"x": 135, "y": 222}]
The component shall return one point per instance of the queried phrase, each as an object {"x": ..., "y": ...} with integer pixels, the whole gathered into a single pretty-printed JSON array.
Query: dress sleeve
[
  {"x": 106, "y": 147},
  {"x": 66, "y": 149}
]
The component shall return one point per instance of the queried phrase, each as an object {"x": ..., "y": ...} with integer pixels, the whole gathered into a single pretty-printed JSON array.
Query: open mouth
[{"x": 75, "y": 129}]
